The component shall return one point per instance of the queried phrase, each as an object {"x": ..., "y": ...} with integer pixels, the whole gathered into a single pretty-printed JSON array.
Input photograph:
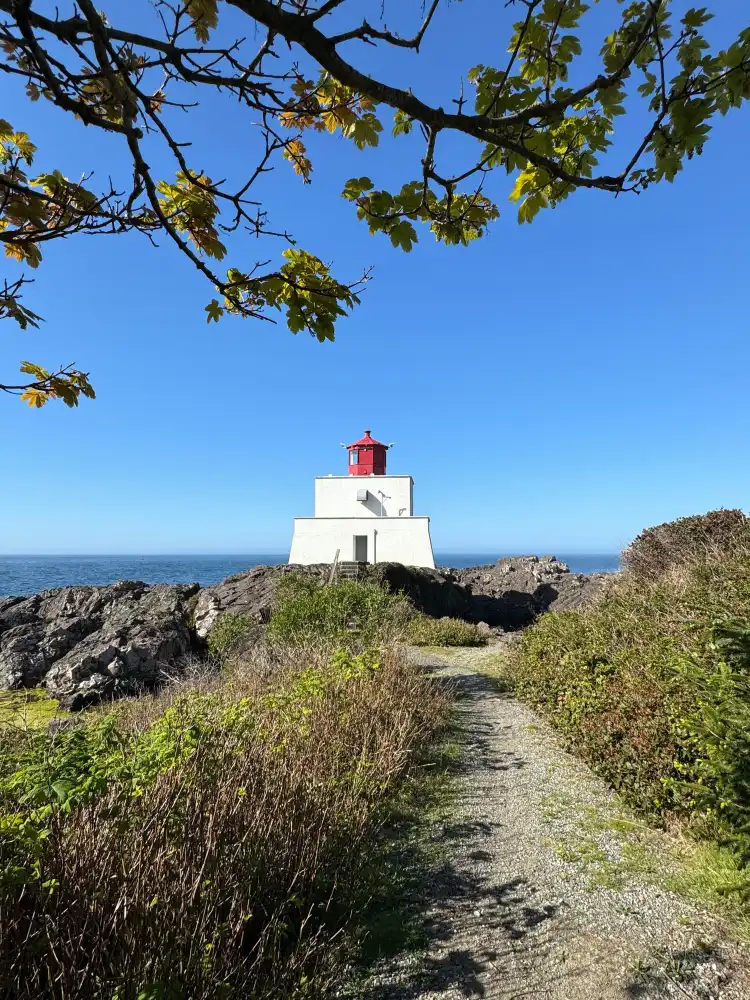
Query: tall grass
[{"x": 206, "y": 842}]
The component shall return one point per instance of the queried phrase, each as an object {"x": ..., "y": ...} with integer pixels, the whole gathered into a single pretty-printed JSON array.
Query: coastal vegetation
[
  {"x": 426, "y": 631},
  {"x": 222, "y": 837},
  {"x": 651, "y": 685},
  {"x": 213, "y": 840},
  {"x": 542, "y": 121}
]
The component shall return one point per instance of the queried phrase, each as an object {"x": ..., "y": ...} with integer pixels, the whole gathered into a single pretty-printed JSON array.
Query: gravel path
[{"x": 544, "y": 886}]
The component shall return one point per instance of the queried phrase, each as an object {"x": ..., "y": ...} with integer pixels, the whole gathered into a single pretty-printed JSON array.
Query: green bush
[
  {"x": 230, "y": 633},
  {"x": 426, "y": 631},
  {"x": 659, "y": 549},
  {"x": 713, "y": 776},
  {"x": 652, "y": 688},
  {"x": 348, "y": 614}
]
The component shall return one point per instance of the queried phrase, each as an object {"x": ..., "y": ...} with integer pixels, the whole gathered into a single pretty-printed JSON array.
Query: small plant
[
  {"x": 426, "y": 631},
  {"x": 230, "y": 633},
  {"x": 713, "y": 772}
]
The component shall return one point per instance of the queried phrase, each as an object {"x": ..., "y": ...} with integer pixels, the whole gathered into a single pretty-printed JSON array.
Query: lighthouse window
[{"x": 353, "y": 457}]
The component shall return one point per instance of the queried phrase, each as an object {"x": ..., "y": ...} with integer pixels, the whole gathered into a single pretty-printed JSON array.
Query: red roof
[{"x": 365, "y": 441}]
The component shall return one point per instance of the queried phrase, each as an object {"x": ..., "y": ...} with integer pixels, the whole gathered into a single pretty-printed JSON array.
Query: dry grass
[{"x": 219, "y": 855}]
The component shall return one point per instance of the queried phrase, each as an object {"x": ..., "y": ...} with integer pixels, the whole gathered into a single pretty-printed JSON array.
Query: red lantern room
[{"x": 367, "y": 457}]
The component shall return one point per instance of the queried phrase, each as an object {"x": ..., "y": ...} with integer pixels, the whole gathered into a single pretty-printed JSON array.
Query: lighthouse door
[{"x": 360, "y": 548}]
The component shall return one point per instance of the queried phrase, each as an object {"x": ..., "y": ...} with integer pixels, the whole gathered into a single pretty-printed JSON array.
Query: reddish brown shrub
[{"x": 659, "y": 549}]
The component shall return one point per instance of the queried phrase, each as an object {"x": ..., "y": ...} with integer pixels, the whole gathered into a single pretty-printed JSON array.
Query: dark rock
[
  {"x": 16, "y": 611},
  {"x": 6, "y": 603},
  {"x": 22, "y": 663},
  {"x": 436, "y": 592},
  {"x": 517, "y": 589}
]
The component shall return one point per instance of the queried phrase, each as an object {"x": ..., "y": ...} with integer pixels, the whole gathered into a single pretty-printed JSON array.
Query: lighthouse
[{"x": 364, "y": 516}]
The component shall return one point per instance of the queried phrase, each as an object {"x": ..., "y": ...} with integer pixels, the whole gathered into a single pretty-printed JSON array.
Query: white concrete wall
[
  {"x": 336, "y": 496},
  {"x": 389, "y": 539}
]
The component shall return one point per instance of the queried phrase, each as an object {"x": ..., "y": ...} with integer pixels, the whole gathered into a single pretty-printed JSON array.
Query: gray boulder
[{"x": 86, "y": 644}]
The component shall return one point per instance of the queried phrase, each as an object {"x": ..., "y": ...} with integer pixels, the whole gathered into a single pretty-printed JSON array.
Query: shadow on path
[{"x": 440, "y": 897}]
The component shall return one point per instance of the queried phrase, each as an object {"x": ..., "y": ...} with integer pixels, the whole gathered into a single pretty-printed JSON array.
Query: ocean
[{"x": 21, "y": 575}]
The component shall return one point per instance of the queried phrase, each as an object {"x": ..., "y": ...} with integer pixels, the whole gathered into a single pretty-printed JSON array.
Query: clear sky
[{"x": 554, "y": 387}]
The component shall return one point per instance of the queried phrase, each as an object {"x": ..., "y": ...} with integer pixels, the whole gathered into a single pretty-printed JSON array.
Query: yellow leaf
[
  {"x": 35, "y": 397},
  {"x": 25, "y": 146},
  {"x": 295, "y": 151},
  {"x": 24, "y": 252},
  {"x": 204, "y": 15}
]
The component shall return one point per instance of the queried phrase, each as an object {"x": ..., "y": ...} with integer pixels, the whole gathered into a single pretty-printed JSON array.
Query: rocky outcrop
[
  {"x": 515, "y": 590},
  {"x": 86, "y": 644},
  {"x": 248, "y": 594},
  {"x": 89, "y": 644}
]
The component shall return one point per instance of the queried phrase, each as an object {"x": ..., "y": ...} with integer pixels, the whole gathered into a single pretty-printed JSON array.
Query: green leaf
[
  {"x": 696, "y": 18},
  {"x": 215, "y": 311},
  {"x": 403, "y": 235},
  {"x": 39, "y": 373},
  {"x": 355, "y": 187},
  {"x": 402, "y": 123},
  {"x": 364, "y": 131},
  {"x": 61, "y": 789}
]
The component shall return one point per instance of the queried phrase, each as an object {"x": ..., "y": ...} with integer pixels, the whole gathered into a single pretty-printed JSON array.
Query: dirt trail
[{"x": 546, "y": 887}]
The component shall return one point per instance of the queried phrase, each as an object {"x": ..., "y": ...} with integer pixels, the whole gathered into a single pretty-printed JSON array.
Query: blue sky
[{"x": 554, "y": 387}]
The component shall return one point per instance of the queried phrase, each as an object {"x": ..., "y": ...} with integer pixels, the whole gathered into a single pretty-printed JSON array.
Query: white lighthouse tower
[{"x": 365, "y": 516}]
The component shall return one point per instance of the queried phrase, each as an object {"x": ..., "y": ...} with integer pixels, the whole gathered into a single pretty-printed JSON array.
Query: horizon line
[{"x": 240, "y": 555}]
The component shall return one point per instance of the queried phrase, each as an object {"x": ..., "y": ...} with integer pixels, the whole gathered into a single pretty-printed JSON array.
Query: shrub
[
  {"x": 230, "y": 633},
  {"x": 206, "y": 842},
  {"x": 652, "y": 688},
  {"x": 350, "y": 614},
  {"x": 659, "y": 549},
  {"x": 426, "y": 631}
]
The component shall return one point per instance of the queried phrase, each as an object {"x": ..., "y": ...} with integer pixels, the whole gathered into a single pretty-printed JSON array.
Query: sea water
[{"x": 29, "y": 574}]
